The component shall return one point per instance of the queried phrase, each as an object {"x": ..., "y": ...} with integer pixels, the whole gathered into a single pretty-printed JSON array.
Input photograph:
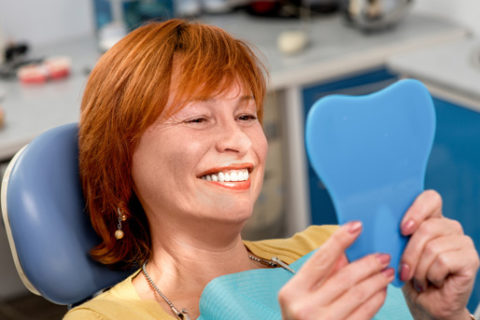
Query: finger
[
  {"x": 427, "y": 205},
  {"x": 358, "y": 295},
  {"x": 323, "y": 262},
  {"x": 350, "y": 276},
  {"x": 428, "y": 231},
  {"x": 433, "y": 249},
  {"x": 370, "y": 307},
  {"x": 461, "y": 263},
  {"x": 341, "y": 262}
]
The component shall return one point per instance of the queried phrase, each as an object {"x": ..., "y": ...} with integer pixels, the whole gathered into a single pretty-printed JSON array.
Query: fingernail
[
  {"x": 404, "y": 272},
  {"x": 354, "y": 227},
  {"x": 408, "y": 227},
  {"x": 389, "y": 272},
  {"x": 418, "y": 287},
  {"x": 383, "y": 258}
]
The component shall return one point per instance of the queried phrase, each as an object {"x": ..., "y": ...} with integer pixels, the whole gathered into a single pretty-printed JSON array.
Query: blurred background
[
  {"x": 311, "y": 47},
  {"x": 54, "y": 20}
]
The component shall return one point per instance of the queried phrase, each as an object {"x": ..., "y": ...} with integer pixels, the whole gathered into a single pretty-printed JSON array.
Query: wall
[
  {"x": 49, "y": 20},
  {"x": 45, "y": 21},
  {"x": 463, "y": 12}
]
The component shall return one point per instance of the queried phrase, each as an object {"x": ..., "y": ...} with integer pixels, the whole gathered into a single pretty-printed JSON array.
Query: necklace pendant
[
  {"x": 283, "y": 265},
  {"x": 274, "y": 262},
  {"x": 183, "y": 315}
]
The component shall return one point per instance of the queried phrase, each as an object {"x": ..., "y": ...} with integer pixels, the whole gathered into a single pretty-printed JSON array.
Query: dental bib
[
  {"x": 253, "y": 294},
  {"x": 371, "y": 153}
]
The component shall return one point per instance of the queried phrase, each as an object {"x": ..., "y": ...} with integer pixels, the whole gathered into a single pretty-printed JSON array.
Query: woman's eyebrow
[
  {"x": 213, "y": 99},
  {"x": 247, "y": 97}
]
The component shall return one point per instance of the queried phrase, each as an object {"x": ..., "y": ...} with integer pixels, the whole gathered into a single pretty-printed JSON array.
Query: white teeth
[
  {"x": 244, "y": 175},
  {"x": 232, "y": 175}
]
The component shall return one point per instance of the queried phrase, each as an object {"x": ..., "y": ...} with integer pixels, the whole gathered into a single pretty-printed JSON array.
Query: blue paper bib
[{"x": 254, "y": 295}]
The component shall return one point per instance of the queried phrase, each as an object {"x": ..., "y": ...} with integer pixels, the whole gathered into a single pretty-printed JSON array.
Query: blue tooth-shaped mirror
[{"x": 371, "y": 154}]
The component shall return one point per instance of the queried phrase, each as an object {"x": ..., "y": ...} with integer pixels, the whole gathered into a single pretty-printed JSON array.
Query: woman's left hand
[{"x": 439, "y": 263}]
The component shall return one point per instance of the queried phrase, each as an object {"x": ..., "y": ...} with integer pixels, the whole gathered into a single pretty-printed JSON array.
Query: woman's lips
[
  {"x": 237, "y": 166},
  {"x": 233, "y": 177},
  {"x": 232, "y": 185}
]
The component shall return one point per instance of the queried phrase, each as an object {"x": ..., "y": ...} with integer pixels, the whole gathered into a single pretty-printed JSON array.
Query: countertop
[
  {"x": 451, "y": 68},
  {"x": 335, "y": 50},
  {"x": 32, "y": 109}
]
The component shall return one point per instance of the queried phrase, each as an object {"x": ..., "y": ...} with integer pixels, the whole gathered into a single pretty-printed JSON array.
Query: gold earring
[{"x": 120, "y": 218}]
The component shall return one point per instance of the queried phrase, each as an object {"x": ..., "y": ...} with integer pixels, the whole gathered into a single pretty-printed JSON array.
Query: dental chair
[{"x": 47, "y": 227}]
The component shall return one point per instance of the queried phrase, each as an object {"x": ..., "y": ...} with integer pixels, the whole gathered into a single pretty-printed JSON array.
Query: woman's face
[{"x": 206, "y": 161}]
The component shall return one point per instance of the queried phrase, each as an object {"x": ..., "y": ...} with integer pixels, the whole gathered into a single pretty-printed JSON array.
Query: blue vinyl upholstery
[{"x": 49, "y": 231}]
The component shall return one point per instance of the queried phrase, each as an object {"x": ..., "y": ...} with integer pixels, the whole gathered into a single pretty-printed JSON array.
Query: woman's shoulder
[
  {"x": 101, "y": 307},
  {"x": 119, "y": 302},
  {"x": 295, "y": 247}
]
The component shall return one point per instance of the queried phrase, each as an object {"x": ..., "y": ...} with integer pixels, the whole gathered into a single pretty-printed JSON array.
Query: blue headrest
[{"x": 48, "y": 228}]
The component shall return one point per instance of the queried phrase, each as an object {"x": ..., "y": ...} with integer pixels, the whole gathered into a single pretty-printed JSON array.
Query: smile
[
  {"x": 227, "y": 176},
  {"x": 232, "y": 177}
]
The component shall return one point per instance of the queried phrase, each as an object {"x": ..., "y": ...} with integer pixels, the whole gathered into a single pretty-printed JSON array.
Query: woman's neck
[{"x": 184, "y": 260}]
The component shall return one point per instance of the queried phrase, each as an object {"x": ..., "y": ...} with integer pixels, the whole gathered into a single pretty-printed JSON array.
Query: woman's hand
[
  {"x": 439, "y": 263},
  {"x": 328, "y": 287}
]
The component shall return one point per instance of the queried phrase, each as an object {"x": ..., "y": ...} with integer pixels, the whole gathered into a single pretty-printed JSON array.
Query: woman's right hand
[{"x": 328, "y": 287}]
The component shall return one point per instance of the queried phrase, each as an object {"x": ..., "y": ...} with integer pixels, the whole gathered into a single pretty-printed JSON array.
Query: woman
[{"x": 172, "y": 157}]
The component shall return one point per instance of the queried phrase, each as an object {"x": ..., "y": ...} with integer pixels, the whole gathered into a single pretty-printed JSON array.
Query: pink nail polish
[
  {"x": 354, "y": 227},
  {"x": 383, "y": 258},
  {"x": 408, "y": 227},
  {"x": 404, "y": 272},
  {"x": 389, "y": 273}
]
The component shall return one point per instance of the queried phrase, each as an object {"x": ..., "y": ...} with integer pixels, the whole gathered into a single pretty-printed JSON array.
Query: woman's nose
[{"x": 233, "y": 138}]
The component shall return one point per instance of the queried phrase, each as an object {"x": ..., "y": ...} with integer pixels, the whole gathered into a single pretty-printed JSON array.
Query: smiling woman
[
  {"x": 218, "y": 138},
  {"x": 172, "y": 156},
  {"x": 148, "y": 77}
]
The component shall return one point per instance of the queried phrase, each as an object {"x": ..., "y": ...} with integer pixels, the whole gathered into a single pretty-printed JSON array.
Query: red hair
[{"x": 127, "y": 91}]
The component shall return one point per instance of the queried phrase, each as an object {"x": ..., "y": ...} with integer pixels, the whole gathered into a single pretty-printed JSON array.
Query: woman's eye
[
  {"x": 196, "y": 120},
  {"x": 247, "y": 117}
]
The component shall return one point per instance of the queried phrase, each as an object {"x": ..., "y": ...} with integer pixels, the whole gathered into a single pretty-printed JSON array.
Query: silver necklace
[
  {"x": 274, "y": 263},
  {"x": 183, "y": 314}
]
